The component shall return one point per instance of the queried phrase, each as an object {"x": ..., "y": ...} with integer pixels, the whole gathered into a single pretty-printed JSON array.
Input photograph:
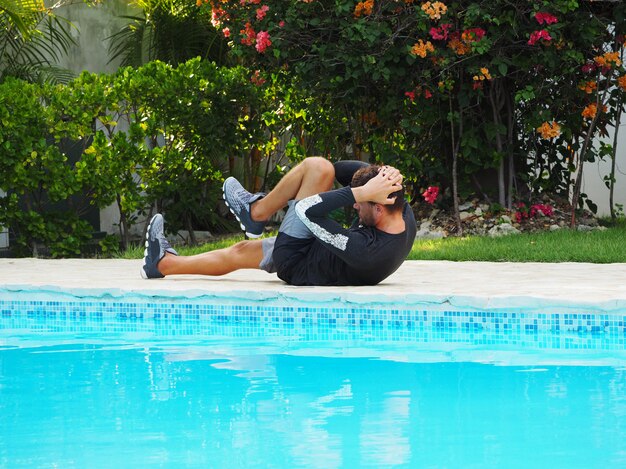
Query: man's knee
[{"x": 319, "y": 166}]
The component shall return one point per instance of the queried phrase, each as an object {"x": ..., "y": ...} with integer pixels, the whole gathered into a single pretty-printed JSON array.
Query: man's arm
[{"x": 377, "y": 189}]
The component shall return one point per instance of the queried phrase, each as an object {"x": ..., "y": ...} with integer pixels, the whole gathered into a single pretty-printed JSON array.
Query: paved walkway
[{"x": 601, "y": 287}]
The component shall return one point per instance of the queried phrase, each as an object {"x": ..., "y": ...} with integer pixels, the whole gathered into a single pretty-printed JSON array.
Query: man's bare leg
[
  {"x": 312, "y": 176},
  {"x": 243, "y": 255}
]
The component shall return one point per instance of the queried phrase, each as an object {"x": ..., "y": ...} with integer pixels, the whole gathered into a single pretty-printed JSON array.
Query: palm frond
[
  {"x": 21, "y": 55},
  {"x": 20, "y": 13},
  {"x": 128, "y": 43}
]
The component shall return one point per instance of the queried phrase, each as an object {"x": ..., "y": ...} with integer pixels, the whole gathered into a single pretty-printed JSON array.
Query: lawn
[{"x": 563, "y": 245}]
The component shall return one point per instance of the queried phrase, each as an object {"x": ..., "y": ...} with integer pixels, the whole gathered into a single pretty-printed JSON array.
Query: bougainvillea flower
[
  {"x": 410, "y": 95},
  {"x": 434, "y": 10},
  {"x": 261, "y": 12},
  {"x": 473, "y": 35},
  {"x": 543, "y": 17},
  {"x": 590, "y": 111},
  {"x": 422, "y": 48},
  {"x": 538, "y": 35},
  {"x": 430, "y": 194},
  {"x": 263, "y": 41},
  {"x": 440, "y": 33},
  {"x": 549, "y": 130}
]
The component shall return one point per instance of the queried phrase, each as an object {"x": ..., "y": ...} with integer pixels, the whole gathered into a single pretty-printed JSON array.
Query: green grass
[{"x": 558, "y": 246}]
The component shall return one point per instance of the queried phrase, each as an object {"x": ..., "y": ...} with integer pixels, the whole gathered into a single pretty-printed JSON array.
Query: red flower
[
  {"x": 427, "y": 94},
  {"x": 248, "y": 35},
  {"x": 473, "y": 35},
  {"x": 588, "y": 67},
  {"x": 263, "y": 41},
  {"x": 537, "y": 35},
  {"x": 260, "y": 12},
  {"x": 430, "y": 194},
  {"x": 410, "y": 95},
  {"x": 440, "y": 33},
  {"x": 543, "y": 17}
]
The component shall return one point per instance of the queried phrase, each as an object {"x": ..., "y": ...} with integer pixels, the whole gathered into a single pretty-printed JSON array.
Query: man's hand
[{"x": 377, "y": 189}]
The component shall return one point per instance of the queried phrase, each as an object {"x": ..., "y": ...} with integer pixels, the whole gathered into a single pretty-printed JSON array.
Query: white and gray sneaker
[
  {"x": 238, "y": 200},
  {"x": 156, "y": 247}
]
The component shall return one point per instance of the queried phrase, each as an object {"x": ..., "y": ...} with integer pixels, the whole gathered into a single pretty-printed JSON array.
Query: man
[{"x": 311, "y": 248}]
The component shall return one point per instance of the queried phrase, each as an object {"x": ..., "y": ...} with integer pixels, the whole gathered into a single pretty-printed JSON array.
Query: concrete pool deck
[{"x": 598, "y": 287}]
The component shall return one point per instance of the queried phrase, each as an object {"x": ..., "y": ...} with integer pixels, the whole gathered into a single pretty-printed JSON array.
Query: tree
[{"x": 450, "y": 90}]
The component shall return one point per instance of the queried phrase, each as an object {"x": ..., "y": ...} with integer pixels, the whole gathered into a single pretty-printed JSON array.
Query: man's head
[
  {"x": 371, "y": 213},
  {"x": 366, "y": 173}
]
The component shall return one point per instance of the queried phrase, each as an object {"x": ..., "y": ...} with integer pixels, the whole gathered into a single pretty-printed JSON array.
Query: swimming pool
[{"x": 136, "y": 382}]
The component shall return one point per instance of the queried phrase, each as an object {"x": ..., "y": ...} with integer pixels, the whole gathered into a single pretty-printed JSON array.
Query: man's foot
[
  {"x": 156, "y": 247},
  {"x": 238, "y": 200}
]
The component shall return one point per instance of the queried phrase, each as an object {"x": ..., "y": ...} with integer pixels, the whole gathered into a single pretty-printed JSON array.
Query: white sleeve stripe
[{"x": 338, "y": 241}]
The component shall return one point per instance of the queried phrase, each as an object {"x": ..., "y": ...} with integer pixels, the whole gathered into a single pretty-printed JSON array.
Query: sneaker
[
  {"x": 238, "y": 200},
  {"x": 156, "y": 247}
]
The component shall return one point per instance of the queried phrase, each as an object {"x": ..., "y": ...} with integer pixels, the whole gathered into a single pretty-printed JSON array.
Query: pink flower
[
  {"x": 440, "y": 33},
  {"x": 543, "y": 17},
  {"x": 546, "y": 210},
  {"x": 427, "y": 94},
  {"x": 281, "y": 24},
  {"x": 537, "y": 35},
  {"x": 430, "y": 194},
  {"x": 588, "y": 67},
  {"x": 410, "y": 95},
  {"x": 226, "y": 32},
  {"x": 263, "y": 41},
  {"x": 260, "y": 13}
]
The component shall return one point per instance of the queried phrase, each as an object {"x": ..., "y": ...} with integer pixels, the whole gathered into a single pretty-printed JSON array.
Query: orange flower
[
  {"x": 434, "y": 10},
  {"x": 363, "y": 8},
  {"x": 621, "y": 81},
  {"x": 422, "y": 48},
  {"x": 608, "y": 59},
  {"x": 483, "y": 75},
  {"x": 590, "y": 111},
  {"x": 588, "y": 86},
  {"x": 549, "y": 130},
  {"x": 459, "y": 47}
]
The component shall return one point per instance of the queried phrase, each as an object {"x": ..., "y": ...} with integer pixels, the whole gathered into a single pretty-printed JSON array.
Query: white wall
[
  {"x": 93, "y": 25},
  {"x": 593, "y": 174}
]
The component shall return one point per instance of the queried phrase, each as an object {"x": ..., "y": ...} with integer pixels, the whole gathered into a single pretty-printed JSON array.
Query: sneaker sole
[
  {"x": 241, "y": 225},
  {"x": 145, "y": 251}
]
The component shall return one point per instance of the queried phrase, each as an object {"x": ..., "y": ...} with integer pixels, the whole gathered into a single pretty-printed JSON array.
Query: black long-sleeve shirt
[{"x": 360, "y": 255}]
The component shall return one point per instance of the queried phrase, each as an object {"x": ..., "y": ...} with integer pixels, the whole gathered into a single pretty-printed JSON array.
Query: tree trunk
[
  {"x": 613, "y": 155},
  {"x": 494, "y": 95},
  {"x": 456, "y": 145}
]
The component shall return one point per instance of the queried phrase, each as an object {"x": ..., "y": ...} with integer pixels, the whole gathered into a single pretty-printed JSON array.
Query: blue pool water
[{"x": 152, "y": 400}]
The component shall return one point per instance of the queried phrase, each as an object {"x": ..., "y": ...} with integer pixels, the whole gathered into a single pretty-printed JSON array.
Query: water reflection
[{"x": 215, "y": 406}]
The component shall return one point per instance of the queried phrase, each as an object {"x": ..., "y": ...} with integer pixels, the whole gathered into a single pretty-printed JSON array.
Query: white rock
[
  {"x": 426, "y": 234},
  {"x": 425, "y": 225},
  {"x": 478, "y": 211},
  {"x": 554, "y": 227},
  {"x": 505, "y": 219},
  {"x": 503, "y": 229},
  {"x": 465, "y": 206},
  {"x": 464, "y": 215}
]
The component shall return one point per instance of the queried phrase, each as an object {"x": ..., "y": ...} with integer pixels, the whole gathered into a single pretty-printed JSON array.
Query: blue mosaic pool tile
[{"x": 180, "y": 317}]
